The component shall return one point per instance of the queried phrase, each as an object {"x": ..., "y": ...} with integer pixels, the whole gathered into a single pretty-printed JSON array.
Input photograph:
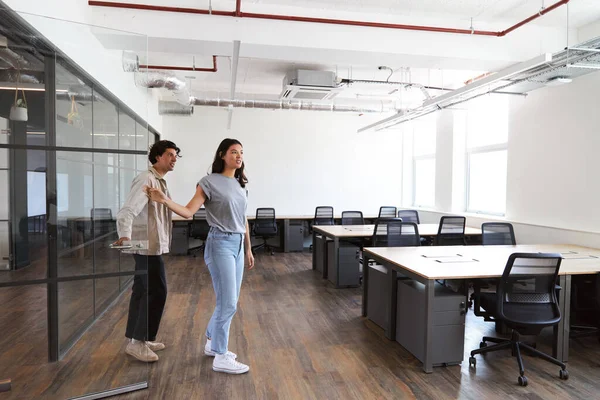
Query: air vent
[{"x": 310, "y": 85}]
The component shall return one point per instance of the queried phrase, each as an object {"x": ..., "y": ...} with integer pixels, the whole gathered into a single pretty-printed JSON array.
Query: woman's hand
[
  {"x": 155, "y": 195},
  {"x": 250, "y": 259}
]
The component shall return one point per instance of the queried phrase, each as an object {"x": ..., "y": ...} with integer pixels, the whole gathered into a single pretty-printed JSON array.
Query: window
[
  {"x": 424, "y": 132},
  {"x": 487, "y": 136}
]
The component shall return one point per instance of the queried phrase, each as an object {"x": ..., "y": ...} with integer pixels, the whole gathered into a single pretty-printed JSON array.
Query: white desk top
[
  {"x": 464, "y": 262},
  {"x": 357, "y": 231},
  {"x": 278, "y": 217}
]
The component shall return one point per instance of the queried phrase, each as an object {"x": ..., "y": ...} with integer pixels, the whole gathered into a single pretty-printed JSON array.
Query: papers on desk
[
  {"x": 456, "y": 260},
  {"x": 450, "y": 258}
]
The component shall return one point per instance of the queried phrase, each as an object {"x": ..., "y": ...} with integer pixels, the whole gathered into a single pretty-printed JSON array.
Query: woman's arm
[
  {"x": 249, "y": 256},
  {"x": 185, "y": 211}
]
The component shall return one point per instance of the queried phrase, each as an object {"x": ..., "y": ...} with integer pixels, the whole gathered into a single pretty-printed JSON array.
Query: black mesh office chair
[
  {"x": 352, "y": 218},
  {"x": 199, "y": 230},
  {"x": 323, "y": 216},
  {"x": 387, "y": 212},
  {"x": 451, "y": 231},
  {"x": 103, "y": 221},
  {"x": 409, "y": 216},
  {"x": 400, "y": 234},
  {"x": 497, "y": 233},
  {"x": 525, "y": 301},
  {"x": 265, "y": 226},
  {"x": 492, "y": 234},
  {"x": 380, "y": 231}
]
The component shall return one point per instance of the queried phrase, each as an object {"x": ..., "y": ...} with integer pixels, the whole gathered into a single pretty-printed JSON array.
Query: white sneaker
[
  {"x": 224, "y": 363},
  {"x": 140, "y": 351},
  {"x": 155, "y": 346},
  {"x": 208, "y": 351}
]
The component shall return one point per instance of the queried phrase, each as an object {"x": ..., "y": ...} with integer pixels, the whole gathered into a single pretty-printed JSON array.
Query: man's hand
[
  {"x": 250, "y": 259},
  {"x": 121, "y": 241}
]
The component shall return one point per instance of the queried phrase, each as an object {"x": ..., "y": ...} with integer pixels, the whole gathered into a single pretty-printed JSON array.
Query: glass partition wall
[{"x": 66, "y": 166}]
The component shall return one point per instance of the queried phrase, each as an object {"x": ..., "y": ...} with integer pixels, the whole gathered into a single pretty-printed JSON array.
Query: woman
[{"x": 225, "y": 197}]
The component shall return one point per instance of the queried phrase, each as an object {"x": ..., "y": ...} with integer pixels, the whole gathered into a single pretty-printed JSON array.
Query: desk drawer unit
[
  {"x": 294, "y": 235},
  {"x": 347, "y": 271},
  {"x": 377, "y": 303},
  {"x": 180, "y": 242},
  {"x": 448, "y": 322}
]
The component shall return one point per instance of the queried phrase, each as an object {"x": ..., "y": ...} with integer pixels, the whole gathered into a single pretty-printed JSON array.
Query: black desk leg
[
  {"x": 365, "y": 283},
  {"x": 562, "y": 331},
  {"x": 390, "y": 332},
  {"x": 314, "y": 249},
  {"x": 429, "y": 299}
]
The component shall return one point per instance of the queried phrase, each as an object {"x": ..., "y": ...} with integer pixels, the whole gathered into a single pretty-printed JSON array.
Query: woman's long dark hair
[{"x": 218, "y": 164}]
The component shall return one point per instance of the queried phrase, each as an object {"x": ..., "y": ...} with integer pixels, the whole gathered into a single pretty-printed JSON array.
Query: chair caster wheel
[
  {"x": 472, "y": 362},
  {"x": 563, "y": 374},
  {"x": 523, "y": 380},
  {"x": 482, "y": 345},
  {"x": 272, "y": 253}
]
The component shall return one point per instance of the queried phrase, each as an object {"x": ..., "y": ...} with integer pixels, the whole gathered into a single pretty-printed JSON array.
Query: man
[{"x": 140, "y": 219}]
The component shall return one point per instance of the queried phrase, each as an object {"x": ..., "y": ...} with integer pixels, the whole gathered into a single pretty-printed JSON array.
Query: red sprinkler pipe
[{"x": 239, "y": 14}]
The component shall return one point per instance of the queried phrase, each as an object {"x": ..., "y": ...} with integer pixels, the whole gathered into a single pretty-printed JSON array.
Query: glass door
[{"x": 66, "y": 166}]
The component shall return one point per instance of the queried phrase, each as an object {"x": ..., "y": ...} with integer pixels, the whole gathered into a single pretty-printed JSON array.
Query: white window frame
[{"x": 480, "y": 150}]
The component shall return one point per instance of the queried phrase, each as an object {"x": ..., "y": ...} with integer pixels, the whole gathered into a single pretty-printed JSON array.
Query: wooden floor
[{"x": 302, "y": 339}]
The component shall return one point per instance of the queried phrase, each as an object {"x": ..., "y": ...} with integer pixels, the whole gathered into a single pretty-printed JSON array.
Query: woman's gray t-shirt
[{"x": 226, "y": 203}]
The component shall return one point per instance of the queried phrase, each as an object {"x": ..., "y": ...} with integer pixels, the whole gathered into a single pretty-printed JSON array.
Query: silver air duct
[
  {"x": 155, "y": 79},
  {"x": 172, "y": 108},
  {"x": 11, "y": 58}
]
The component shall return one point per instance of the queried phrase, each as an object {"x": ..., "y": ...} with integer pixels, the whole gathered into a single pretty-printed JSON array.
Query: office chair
[
  {"x": 199, "y": 230},
  {"x": 323, "y": 216},
  {"x": 409, "y": 216},
  {"x": 497, "y": 233},
  {"x": 387, "y": 212},
  {"x": 352, "y": 218},
  {"x": 451, "y": 231},
  {"x": 400, "y": 234},
  {"x": 525, "y": 301},
  {"x": 265, "y": 226},
  {"x": 380, "y": 231},
  {"x": 492, "y": 234},
  {"x": 102, "y": 221}
]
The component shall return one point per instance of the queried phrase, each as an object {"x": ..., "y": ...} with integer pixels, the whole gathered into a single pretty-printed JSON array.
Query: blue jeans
[{"x": 224, "y": 256}]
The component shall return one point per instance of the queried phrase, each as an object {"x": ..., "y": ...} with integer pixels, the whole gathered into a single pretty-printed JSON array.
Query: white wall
[
  {"x": 553, "y": 190},
  {"x": 295, "y": 160},
  {"x": 77, "y": 40}
]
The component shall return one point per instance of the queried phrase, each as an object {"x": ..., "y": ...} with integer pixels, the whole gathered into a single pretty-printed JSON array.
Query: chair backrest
[
  {"x": 101, "y": 214},
  {"x": 451, "y": 231},
  {"x": 400, "y": 233},
  {"x": 352, "y": 218},
  {"x": 379, "y": 238},
  {"x": 323, "y": 215},
  {"x": 409, "y": 216},
  {"x": 497, "y": 233},
  {"x": 387, "y": 212},
  {"x": 265, "y": 223},
  {"x": 526, "y": 294},
  {"x": 200, "y": 227}
]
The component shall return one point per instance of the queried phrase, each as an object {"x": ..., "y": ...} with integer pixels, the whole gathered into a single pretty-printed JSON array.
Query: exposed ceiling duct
[
  {"x": 12, "y": 75},
  {"x": 174, "y": 108},
  {"x": 157, "y": 79},
  {"x": 170, "y": 108},
  {"x": 524, "y": 77}
]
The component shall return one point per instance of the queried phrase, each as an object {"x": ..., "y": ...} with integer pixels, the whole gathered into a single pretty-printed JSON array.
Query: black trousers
[{"x": 148, "y": 297}]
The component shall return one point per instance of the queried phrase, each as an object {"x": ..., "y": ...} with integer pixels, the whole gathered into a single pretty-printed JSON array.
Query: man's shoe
[
  {"x": 224, "y": 363},
  {"x": 208, "y": 351},
  {"x": 155, "y": 346},
  {"x": 140, "y": 351}
]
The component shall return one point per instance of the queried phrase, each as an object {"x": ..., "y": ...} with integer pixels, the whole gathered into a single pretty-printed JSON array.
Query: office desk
[
  {"x": 337, "y": 232},
  {"x": 293, "y": 225},
  {"x": 473, "y": 262}
]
